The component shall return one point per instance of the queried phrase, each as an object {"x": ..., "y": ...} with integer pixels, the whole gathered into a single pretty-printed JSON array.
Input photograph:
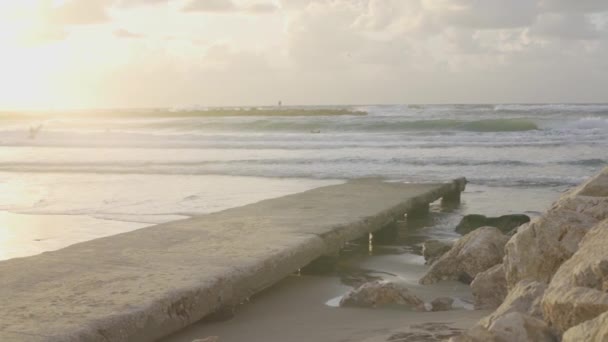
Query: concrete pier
[{"x": 148, "y": 283}]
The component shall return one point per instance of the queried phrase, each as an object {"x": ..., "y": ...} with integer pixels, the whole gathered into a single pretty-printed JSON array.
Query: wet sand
[{"x": 295, "y": 311}]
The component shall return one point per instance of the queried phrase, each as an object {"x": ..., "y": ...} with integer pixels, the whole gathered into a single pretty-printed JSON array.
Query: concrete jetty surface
[{"x": 145, "y": 284}]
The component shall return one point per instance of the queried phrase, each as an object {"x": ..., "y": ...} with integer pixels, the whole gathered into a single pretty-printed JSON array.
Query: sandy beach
[{"x": 294, "y": 310}]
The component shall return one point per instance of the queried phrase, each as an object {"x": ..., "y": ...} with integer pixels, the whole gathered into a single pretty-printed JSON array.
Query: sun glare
[{"x": 27, "y": 65}]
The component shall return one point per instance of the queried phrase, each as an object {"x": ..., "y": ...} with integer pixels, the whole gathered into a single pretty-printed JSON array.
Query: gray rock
[
  {"x": 382, "y": 292},
  {"x": 442, "y": 304},
  {"x": 518, "y": 327},
  {"x": 538, "y": 249},
  {"x": 511, "y": 327},
  {"x": 489, "y": 288},
  {"x": 471, "y": 254},
  {"x": 434, "y": 249},
  {"x": 505, "y": 223},
  {"x": 592, "y": 330},
  {"x": 579, "y": 290},
  {"x": 518, "y": 318},
  {"x": 525, "y": 298}
]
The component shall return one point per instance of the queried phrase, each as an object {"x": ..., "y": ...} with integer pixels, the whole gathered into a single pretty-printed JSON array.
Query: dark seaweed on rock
[{"x": 505, "y": 223}]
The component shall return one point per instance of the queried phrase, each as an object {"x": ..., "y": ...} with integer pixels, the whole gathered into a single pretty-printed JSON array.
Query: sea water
[{"x": 95, "y": 175}]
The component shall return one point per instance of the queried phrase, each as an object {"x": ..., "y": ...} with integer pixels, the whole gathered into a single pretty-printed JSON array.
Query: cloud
[
  {"x": 77, "y": 12},
  {"x": 328, "y": 51},
  {"x": 564, "y": 26},
  {"x": 483, "y": 14},
  {"x": 228, "y": 6},
  {"x": 122, "y": 33},
  {"x": 46, "y": 21},
  {"x": 213, "y": 6},
  {"x": 133, "y": 3},
  {"x": 572, "y": 6},
  {"x": 261, "y": 8}
]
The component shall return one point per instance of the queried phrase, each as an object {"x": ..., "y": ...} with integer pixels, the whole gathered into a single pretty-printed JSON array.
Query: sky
[{"x": 181, "y": 53}]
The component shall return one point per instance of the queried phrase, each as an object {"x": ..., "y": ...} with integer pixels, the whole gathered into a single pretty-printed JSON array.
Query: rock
[
  {"x": 579, "y": 289},
  {"x": 538, "y": 249},
  {"x": 591, "y": 330},
  {"x": 518, "y": 327},
  {"x": 382, "y": 292},
  {"x": 566, "y": 249},
  {"x": 207, "y": 339},
  {"x": 434, "y": 249},
  {"x": 597, "y": 186},
  {"x": 526, "y": 298},
  {"x": 505, "y": 223},
  {"x": 518, "y": 318},
  {"x": 442, "y": 304},
  {"x": 423, "y": 332},
  {"x": 472, "y": 254},
  {"x": 489, "y": 288},
  {"x": 512, "y": 327}
]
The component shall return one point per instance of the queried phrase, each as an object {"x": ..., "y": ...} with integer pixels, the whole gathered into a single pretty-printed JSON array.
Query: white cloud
[
  {"x": 214, "y": 6},
  {"x": 564, "y": 26},
  {"x": 229, "y": 6},
  {"x": 122, "y": 33},
  {"x": 340, "y": 51}
]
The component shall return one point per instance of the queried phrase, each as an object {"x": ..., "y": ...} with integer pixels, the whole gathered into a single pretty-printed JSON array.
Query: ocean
[{"x": 80, "y": 178}]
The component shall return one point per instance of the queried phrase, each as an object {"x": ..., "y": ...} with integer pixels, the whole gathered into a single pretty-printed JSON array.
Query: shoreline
[{"x": 293, "y": 311}]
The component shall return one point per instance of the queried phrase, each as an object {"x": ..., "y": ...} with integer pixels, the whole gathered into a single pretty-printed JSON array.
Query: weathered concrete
[{"x": 145, "y": 284}]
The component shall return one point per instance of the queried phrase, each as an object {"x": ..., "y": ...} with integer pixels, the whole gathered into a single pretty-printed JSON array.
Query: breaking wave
[
  {"x": 553, "y": 108},
  {"x": 382, "y": 125}
]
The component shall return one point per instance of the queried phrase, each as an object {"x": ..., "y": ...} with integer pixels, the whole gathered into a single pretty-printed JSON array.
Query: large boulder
[
  {"x": 518, "y": 327},
  {"x": 505, "y": 223},
  {"x": 518, "y": 318},
  {"x": 538, "y": 249},
  {"x": 526, "y": 298},
  {"x": 579, "y": 290},
  {"x": 511, "y": 327},
  {"x": 592, "y": 330},
  {"x": 489, "y": 288},
  {"x": 434, "y": 249},
  {"x": 381, "y": 292},
  {"x": 471, "y": 254}
]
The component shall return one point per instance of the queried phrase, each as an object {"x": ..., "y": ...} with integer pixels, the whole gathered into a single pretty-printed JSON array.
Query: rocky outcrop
[
  {"x": 525, "y": 298},
  {"x": 518, "y": 318},
  {"x": 471, "y": 254},
  {"x": 489, "y": 288},
  {"x": 518, "y": 327},
  {"x": 592, "y": 330},
  {"x": 505, "y": 223},
  {"x": 538, "y": 249},
  {"x": 434, "y": 249},
  {"x": 442, "y": 304},
  {"x": 579, "y": 290},
  {"x": 511, "y": 327},
  {"x": 422, "y": 332},
  {"x": 382, "y": 292},
  {"x": 556, "y": 269}
]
